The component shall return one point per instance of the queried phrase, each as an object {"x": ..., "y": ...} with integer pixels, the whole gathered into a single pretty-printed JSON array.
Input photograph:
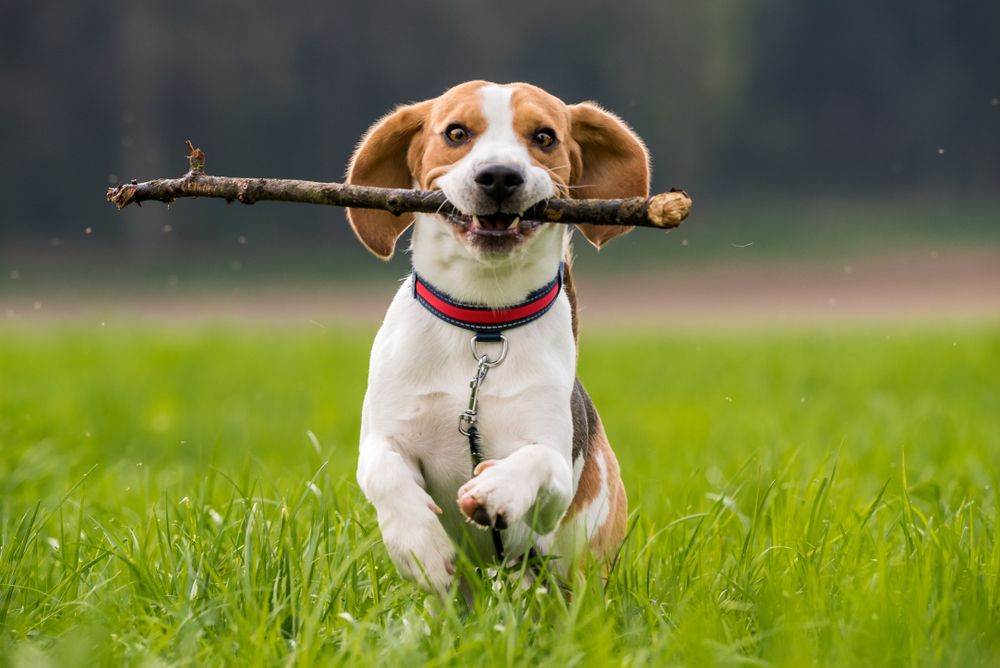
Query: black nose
[{"x": 499, "y": 181}]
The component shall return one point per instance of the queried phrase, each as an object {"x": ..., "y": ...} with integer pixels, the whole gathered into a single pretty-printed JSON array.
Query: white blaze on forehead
[{"x": 499, "y": 114}]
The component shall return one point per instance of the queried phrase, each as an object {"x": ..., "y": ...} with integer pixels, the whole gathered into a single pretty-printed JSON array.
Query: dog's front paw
[
  {"x": 496, "y": 496},
  {"x": 421, "y": 550}
]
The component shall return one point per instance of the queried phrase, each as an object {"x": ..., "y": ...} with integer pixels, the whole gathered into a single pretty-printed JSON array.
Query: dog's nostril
[
  {"x": 513, "y": 179},
  {"x": 499, "y": 181},
  {"x": 504, "y": 176}
]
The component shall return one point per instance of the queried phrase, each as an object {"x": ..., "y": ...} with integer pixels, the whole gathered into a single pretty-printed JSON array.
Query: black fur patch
[{"x": 585, "y": 420}]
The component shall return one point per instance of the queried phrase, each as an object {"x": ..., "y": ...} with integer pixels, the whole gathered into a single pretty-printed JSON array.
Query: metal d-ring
[{"x": 484, "y": 359}]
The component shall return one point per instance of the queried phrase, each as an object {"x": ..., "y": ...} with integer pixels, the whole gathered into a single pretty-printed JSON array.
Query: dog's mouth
[{"x": 494, "y": 224}]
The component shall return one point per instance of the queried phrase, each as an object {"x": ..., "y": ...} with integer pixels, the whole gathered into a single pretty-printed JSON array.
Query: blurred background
[{"x": 844, "y": 158}]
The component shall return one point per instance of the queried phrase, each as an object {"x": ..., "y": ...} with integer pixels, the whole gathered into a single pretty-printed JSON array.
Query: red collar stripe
[{"x": 479, "y": 318}]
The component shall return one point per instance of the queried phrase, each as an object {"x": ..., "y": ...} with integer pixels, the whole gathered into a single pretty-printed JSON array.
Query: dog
[{"x": 519, "y": 450}]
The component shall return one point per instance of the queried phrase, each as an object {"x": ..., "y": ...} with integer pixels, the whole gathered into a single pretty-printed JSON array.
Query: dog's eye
[
  {"x": 457, "y": 134},
  {"x": 544, "y": 138}
]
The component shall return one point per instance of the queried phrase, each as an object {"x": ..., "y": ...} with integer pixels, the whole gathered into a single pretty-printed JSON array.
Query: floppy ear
[
  {"x": 381, "y": 160},
  {"x": 612, "y": 162}
]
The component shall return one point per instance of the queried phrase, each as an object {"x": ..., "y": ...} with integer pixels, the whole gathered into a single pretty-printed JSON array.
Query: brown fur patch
[
  {"x": 613, "y": 163},
  {"x": 534, "y": 110},
  {"x": 432, "y": 157},
  {"x": 609, "y": 536},
  {"x": 606, "y": 538},
  {"x": 381, "y": 160}
]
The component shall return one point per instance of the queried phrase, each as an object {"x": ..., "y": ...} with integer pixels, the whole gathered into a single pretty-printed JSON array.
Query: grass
[{"x": 174, "y": 497}]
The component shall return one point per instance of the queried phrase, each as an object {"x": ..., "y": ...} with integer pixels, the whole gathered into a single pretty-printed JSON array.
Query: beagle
[{"x": 519, "y": 450}]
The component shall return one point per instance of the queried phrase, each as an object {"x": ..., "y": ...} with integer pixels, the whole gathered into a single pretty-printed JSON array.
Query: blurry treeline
[{"x": 775, "y": 97}]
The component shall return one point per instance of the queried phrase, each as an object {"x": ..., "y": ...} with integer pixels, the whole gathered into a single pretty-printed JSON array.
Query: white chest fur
[{"x": 419, "y": 385}]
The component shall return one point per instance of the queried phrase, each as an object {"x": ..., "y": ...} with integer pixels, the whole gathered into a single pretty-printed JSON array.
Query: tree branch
[{"x": 664, "y": 211}]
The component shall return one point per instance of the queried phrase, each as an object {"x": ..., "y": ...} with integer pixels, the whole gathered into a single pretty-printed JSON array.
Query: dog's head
[{"x": 495, "y": 151}]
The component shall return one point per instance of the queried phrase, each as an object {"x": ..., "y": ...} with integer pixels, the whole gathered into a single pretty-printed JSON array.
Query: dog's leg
[
  {"x": 533, "y": 483},
  {"x": 407, "y": 515}
]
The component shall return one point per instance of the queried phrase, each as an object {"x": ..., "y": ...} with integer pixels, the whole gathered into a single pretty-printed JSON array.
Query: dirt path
[
  {"x": 946, "y": 285},
  {"x": 928, "y": 286}
]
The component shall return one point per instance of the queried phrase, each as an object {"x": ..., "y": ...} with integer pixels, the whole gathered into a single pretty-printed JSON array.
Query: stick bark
[{"x": 663, "y": 211}]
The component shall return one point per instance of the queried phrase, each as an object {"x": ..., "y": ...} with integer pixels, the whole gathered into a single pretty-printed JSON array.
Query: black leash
[
  {"x": 467, "y": 427},
  {"x": 467, "y": 421},
  {"x": 477, "y": 458}
]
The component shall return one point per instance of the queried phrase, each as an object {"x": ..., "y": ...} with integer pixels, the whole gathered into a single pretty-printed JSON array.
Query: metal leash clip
[{"x": 467, "y": 420}]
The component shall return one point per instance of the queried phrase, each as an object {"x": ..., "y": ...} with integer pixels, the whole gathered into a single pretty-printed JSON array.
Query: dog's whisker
[{"x": 553, "y": 169}]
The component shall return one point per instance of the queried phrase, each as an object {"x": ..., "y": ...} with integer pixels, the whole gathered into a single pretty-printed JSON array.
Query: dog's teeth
[
  {"x": 475, "y": 221},
  {"x": 514, "y": 223}
]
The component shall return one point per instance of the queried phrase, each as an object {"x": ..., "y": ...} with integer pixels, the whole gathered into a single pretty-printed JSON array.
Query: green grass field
[{"x": 186, "y": 497}]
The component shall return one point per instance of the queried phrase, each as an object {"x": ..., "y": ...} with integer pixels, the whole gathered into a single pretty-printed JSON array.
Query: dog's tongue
[{"x": 495, "y": 222}]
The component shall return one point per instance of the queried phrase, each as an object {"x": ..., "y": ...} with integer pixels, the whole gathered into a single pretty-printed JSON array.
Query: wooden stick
[{"x": 664, "y": 211}]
